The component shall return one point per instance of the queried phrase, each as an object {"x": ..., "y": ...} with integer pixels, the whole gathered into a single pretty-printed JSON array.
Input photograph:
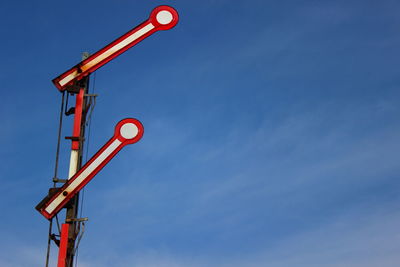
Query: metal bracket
[
  {"x": 56, "y": 241},
  {"x": 57, "y": 180},
  {"x": 78, "y": 84},
  {"x": 77, "y": 220},
  {"x": 74, "y": 138},
  {"x": 70, "y": 111},
  {"x": 73, "y": 89},
  {"x": 52, "y": 192}
]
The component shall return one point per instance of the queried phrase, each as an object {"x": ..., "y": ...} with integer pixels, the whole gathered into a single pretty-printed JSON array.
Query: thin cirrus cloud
[
  {"x": 271, "y": 138},
  {"x": 299, "y": 176}
]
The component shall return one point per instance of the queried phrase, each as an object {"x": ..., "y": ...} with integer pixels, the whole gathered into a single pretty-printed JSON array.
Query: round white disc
[
  {"x": 164, "y": 17},
  {"x": 129, "y": 130}
]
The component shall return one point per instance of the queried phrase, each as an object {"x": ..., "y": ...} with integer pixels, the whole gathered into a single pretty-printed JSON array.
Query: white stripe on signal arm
[{"x": 81, "y": 177}]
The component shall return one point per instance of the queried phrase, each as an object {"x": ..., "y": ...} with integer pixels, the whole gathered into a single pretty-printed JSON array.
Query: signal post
[{"x": 127, "y": 131}]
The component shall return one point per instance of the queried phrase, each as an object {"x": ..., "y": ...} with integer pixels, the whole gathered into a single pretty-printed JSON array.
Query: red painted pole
[
  {"x": 78, "y": 118},
  {"x": 62, "y": 253}
]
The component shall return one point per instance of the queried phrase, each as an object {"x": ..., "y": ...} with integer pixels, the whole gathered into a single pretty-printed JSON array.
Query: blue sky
[{"x": 271, "y": 133}]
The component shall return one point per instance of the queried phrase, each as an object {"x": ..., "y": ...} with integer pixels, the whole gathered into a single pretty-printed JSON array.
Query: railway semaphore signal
[
  {"x": 128, "y": 131},
  {"x": 161, "y": 18}
]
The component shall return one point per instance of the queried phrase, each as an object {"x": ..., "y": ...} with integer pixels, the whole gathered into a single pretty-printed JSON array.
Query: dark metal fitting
[
  {"x": 77, "y": 220},
  {"x": 56, "y": 180},
  {"x": 70, "y": 111},
  {"x": 74, "y": 138}
]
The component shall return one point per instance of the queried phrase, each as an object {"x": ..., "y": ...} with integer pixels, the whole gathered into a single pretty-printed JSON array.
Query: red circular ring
[
  {"x": 137, "y": 123},
  {"x": 159, "y": 26}
]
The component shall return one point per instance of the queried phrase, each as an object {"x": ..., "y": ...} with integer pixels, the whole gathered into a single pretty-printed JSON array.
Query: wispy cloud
[
  {"x": 354, "y": 239},
  {"x": 295, "y": 179}
]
